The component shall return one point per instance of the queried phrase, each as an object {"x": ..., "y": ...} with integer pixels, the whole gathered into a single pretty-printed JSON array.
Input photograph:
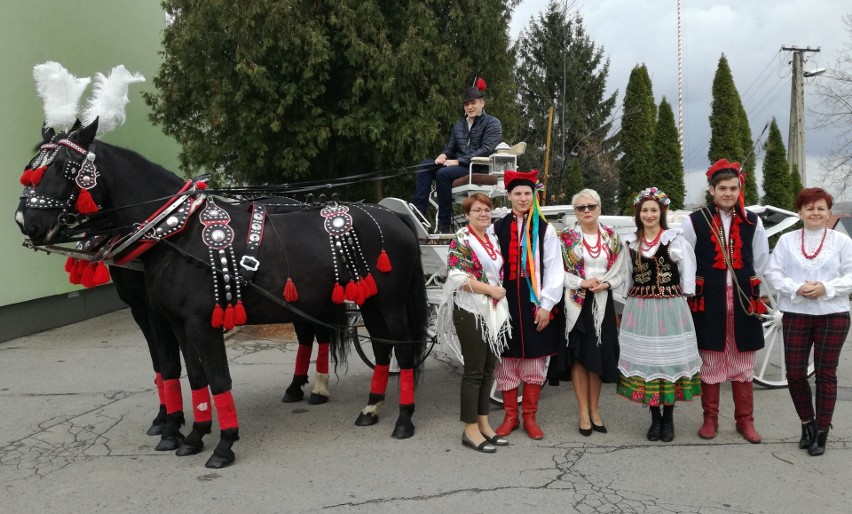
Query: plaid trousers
[{"x": 826, "y": 333}]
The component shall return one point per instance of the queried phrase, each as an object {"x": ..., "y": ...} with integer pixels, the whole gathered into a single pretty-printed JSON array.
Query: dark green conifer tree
[
  {"x": 776, "y": 171},
  {"x": 638, "y": 120},
  {"x": 668, "y": 160}
]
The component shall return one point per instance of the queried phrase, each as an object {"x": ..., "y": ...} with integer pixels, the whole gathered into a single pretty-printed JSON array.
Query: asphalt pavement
[{"x": 76, "y": 402}]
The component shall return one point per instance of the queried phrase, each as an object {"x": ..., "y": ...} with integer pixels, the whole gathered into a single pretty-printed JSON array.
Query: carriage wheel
[
  {"x": 769, "y": 368},
  {"x": 364, "y": 347}
]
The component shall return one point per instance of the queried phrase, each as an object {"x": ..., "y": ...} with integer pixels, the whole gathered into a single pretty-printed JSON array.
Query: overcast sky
[{"x": 750, "y": 33}]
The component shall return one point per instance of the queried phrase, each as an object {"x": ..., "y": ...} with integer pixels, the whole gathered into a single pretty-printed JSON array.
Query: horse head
[{"x": 63, "y": 169}]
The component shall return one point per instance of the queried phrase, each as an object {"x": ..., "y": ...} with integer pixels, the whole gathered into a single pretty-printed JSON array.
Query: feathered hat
[{"x": 475, "y": 91}]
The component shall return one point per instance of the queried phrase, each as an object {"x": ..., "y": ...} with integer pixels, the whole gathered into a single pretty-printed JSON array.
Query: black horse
[{"x": 184, "y": 279}]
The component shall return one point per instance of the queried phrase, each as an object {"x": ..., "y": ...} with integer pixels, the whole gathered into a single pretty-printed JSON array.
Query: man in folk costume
[
  {"x": 731, "y": 249},
  {"x": 533, "y": 276}
]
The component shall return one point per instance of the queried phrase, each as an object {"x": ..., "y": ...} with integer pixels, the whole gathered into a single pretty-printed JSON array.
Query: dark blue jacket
[{"x": 480, "y": 141}]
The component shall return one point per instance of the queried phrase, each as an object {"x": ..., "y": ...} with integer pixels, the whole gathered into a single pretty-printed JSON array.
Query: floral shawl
[
  {"x": 463, "y": 264},
  {"x": 572, "y": 258}
]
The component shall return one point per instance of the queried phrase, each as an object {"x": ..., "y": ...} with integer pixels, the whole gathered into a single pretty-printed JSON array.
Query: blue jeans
[{"x": 443, "y": 177}]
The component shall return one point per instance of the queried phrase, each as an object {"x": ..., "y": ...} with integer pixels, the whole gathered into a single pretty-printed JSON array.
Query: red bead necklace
[
  {"x": 594, "y": 251},
  {"x": 487, "y": 244},
  {"x": 647, "y": 245},
  {"x": 819, "y": 248}
]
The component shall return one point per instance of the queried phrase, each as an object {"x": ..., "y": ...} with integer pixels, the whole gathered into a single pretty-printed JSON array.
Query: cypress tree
[
  {"x": 795, "y": 182},
  {"x": 668, "y": 161},
  {"x": 636, "y": 136},
  {"x": 776, "y": 175}
]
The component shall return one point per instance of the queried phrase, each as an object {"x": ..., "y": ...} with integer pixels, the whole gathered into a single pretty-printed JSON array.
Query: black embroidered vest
[{"x": 654, "y": 277}]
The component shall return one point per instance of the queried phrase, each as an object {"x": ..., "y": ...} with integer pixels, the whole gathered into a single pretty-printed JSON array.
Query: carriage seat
[{"x": 491, "y": 183}]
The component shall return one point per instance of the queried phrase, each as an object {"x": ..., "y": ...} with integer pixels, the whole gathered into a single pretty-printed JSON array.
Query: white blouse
[
  {"x": 680, "y": 252},
  {"x": 789, "y": 269}
]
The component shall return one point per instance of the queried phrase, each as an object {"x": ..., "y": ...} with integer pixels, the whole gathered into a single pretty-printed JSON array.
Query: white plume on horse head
[
  {"x": 109, "y": 97},
  {"x": 60, "y": 92}
]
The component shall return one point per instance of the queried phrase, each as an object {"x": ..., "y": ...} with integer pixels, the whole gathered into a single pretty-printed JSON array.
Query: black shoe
[
  {"x": 656, "y": 424},
  {"x": 667, "y": 433},
  {"x": 585, "y": 432},
  {"x": 484, "y": 446},
  {"x": 808, "y": 433},
  {"x": 599, "y": 428},
  {"x": 496, "y": 440},
  {"x": 817, "y": 447}
]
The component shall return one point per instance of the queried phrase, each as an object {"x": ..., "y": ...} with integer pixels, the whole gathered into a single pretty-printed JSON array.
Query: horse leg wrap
[
  {"x": 303, "y": 359},
  {"x": 223, "y": 456},
  {"x": 404, "y": 427},
  {"x": 173, "y": 396},
  {"x": 158, "y": 381},
  {"x": 226, "y": 411},
  {"x": 294, "y": 390},
  {"x": 370, "y": 414},
  {"x": 201, "y": 411},
  {"x": 379, "y": 384},
  {"x": 172, "y": 436},
  {"x": 406, "y": 387},
  {"x": 319, "y": 394},
  {"x": 193, "y": 442},
  {"x": 322, "y": 358}
]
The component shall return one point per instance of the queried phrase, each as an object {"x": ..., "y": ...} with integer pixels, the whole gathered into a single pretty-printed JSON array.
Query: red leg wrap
[
  {"x": 379, "y": 383},
  {"x": 406, "y": 387},
  {"x": 201, "y": 411},
  {"x": 322, "y": 358},
  {"x": 174, "y": 399},
  {"x": 226, "y": 411},
  {"x": 303, "y": 359},
  {"x": 158, "y": 381}
]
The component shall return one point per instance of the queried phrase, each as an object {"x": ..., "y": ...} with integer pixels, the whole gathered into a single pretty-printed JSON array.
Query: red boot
[
  {"x": 530, "y": 407},
  {"x": 510, "y": 407},
  {"x": 744, "y": 410},
  {"x": 710, "y": 403}
]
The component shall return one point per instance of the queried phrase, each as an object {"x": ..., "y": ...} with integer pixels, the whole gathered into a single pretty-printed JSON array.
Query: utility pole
[{"x": 796, "y": 134}]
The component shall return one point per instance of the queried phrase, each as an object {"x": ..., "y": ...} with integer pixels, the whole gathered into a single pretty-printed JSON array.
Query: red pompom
[
  {"x": 218, "y": 317},
  {"x": 85, "y": 203},
  {"x": 361, "y": 293},
  {"x": 74, "y": 271},
  {"x": 351, "y": 291},
  {"x": 480, "y": 84},
  {"x": 337, "y": 295},
  {"x": 27, "y": 177},
  {"x": 69, "y": 264},
  {"x": 383, "y": 263},
  {"x": 88, "y": 274},
  {"x": 290, "y": 293},
  {"x": 101, "y": 275},
  {"x": 201, "y": 185},
  {"x": 370, "y": 284},
  {"x": 36, "y": 175},
  {"x": 228, "y": 321},
  {"x": 240, "y": 313}
]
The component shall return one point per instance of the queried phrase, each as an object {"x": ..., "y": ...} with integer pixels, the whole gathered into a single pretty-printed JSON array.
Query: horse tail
[{"x": 340, "y": 340}]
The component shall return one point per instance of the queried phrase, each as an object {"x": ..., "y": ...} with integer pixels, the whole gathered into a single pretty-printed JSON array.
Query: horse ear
[
  {"x": 47, "y": 133},
  {"x": 77, "y": 125},
  {"x": 87, "y": 134}
]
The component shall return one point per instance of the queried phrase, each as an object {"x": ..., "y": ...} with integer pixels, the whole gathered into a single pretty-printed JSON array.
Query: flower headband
[{"x": 652, "y": 193}]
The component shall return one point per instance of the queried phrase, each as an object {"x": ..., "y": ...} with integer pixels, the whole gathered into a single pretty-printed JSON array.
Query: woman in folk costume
[
  {"x": 812, "y": 270},
  {"x": 594, "y": 265},
  {"x": 474, "y": 315},
  {"x": 659, "y": 360},
  {"x": 532, "y": 271},
  {"x": 731, "y": 250}
]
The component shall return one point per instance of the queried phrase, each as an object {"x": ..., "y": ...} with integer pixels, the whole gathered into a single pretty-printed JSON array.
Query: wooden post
[{"x": 547, "y": 153}]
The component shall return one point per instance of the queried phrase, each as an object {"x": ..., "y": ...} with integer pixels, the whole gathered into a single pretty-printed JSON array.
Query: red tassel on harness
[
  {"x": 101, "y": 275},
  {"x": 218, "y": 317},
  {"x": 69, "y": 264},
  {"x": 85, "y": 203},
  {"x": 36, "y": 175},
  {"x": 88, "y": 275},
  {"x": 351, "y": 291},
  {"x": 240, "y": 313},
  {"x": 74, "y": 273},
  {"x": 370, "y": 285},
  {"x": 360, "y": 294},
  {"x": 228, "y": 322},
  {"x": 383, "y": 263},
  {"x": 337, "y": 295},
  {"x": 27, "y": 177},
  {"x": 290, "y": 293}
]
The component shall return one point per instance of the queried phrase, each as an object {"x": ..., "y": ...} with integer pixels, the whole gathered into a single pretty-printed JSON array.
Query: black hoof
[
  {"x": 168, "y": 444},
  {"x": 293, "y": 396},
  {"x": 403, "y": 430},
  {"x": 219, "y": 461},
  {"x": 188, "y": 449},
  {"x": 156, "y": 429},
  {"x": 365, "y": 420},
  {"x": 317, "y": 399}
]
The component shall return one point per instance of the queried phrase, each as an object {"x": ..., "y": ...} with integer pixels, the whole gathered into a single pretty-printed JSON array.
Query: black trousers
[{"x": 479, "y": 365}]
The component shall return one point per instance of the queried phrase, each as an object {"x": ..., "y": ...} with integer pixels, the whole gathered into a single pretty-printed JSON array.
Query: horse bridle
[{"x": 83, "y": 174}]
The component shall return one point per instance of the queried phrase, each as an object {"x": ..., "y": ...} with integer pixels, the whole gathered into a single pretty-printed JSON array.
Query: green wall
[{"x": 86, "y": 36}]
